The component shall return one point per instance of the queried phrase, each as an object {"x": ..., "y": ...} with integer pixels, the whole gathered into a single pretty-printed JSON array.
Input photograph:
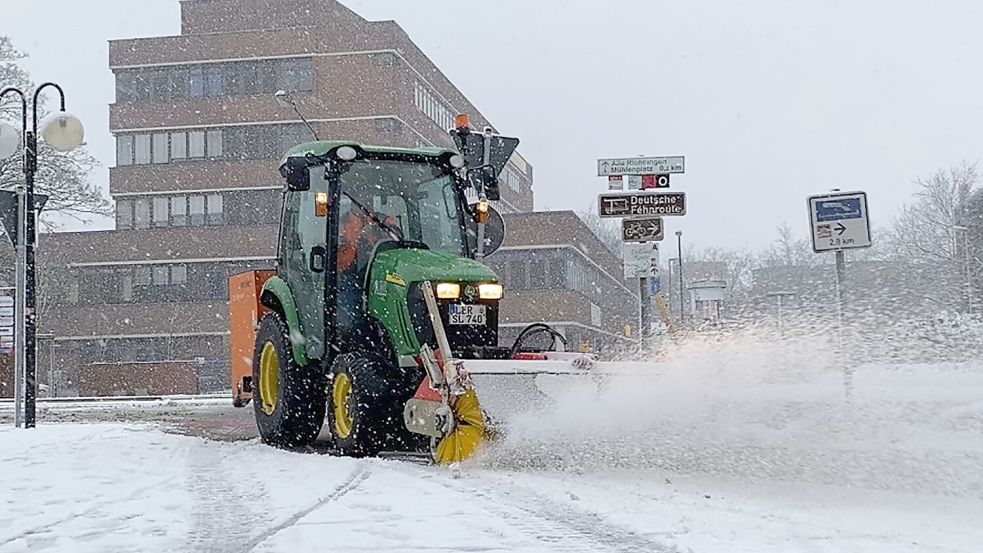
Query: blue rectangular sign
[{"x": 837, "y": 210}]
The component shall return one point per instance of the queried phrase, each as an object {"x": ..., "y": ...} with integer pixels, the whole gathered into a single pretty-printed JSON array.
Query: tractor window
[{"x": 419, "y": 198}]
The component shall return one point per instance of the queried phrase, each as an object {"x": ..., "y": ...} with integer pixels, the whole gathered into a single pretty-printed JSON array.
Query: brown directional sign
[
  {"x": 643, "y": 203},
  {"x": 641, "y": 229}
]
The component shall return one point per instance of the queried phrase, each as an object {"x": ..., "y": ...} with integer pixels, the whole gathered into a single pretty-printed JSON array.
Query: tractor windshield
[{"x": 417, "y": 199}]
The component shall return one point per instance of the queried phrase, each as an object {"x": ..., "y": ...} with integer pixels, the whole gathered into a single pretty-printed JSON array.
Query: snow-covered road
[
  {"x": 732, "y": 452},
  {"x": 103, "y": 487}
]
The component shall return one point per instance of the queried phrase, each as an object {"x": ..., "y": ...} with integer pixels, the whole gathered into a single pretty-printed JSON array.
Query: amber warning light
[{"x": 462, "y": 121}]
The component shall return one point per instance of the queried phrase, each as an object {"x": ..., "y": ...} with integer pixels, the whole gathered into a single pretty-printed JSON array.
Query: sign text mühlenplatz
[
  {"x": 839, "y": 221},
  {"x": 642, "y": 203},
  {"x": 663, "y": 165}
]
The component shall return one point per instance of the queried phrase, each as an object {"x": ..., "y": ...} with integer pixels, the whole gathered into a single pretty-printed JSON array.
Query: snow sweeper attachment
[
  {"x": 379, "y": 320},
  {"x": 446, "y": 406}
]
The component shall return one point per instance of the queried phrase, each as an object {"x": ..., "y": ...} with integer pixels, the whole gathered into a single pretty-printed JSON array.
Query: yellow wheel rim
[
  {"x": 468, "y": 434},
  {"x": 341, "y": 394},
  {"x": 269, "y": 378}
]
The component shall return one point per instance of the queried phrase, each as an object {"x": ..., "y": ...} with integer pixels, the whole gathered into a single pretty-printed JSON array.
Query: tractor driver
[{"x": 357, "y": 239}]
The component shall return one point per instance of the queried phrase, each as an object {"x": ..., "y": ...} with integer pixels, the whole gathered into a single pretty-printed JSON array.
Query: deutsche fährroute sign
[
  {"x": 663, "y": 165},
  {"x": 641, "y": 203}
]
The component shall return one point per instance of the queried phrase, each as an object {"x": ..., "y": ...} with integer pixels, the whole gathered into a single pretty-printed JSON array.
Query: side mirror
[
  {"x": 494, "y": 232},
  {"x": 297, "y": 171}
]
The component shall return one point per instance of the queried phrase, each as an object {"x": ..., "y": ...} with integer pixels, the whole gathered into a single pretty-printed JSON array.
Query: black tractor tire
[
  {"x": 379, "y": 392},
  {"x": 298, "y": 411}
]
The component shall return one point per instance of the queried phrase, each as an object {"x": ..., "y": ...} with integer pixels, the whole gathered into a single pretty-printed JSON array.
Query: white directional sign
[
  {"x": 641, "y": 203},
  {"x": 839, "y": 221},
  {"x": 641, "y": 260},
  {"x": 641, "y": 166}
]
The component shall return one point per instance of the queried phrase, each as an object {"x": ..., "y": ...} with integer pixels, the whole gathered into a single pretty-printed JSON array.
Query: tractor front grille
[{"x": 465, "y": 340}]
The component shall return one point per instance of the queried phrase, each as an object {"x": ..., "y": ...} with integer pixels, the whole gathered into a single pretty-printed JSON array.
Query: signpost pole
[
  {"x": 679, "y": 246},
  {"x": 840, "y": 292},
  {"x": 646, "y": 311},
  {"x": 20, "y": 305}
]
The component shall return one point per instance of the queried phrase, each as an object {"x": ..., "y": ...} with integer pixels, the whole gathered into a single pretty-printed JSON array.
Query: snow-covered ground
[{"x": 729, "y": 447}]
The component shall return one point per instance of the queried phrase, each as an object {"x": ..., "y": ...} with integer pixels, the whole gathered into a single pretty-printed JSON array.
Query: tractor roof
[{"x": 321, "y": 148}]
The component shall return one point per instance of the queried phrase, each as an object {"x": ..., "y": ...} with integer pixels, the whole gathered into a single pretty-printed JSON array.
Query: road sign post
[
  {"x": 642, "y": 209},
  {"x": 840, "y": 222}
]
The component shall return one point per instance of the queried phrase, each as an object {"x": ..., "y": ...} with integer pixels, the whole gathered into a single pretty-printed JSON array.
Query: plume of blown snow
[{"x": 752, "y": 404}]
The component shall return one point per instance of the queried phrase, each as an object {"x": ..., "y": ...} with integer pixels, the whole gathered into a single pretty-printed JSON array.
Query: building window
[
  {"x": 179, "y": 211},
  {"x": 213, "y": 81},
  {"x": 196, "y": 210},
  {"x": 161, "y": 275},
  {"x": 141, "y": 148},
  {"x": 160, "y": 153},
  {"x": 141, "y": 214},
  {"x": 160, "y": 212},
  {"x": 214, "y": 143},
  {"x": 124, "y": 150},
  {"x": 124, "y": 215},
  {"x": 537, "y": 274},
  {"x": 214, "y": 208},
  {"x": 196, "y": 144},
  {"x": 179, "y": 274},
  {"x": 126, "y": 286},
  {"x": 179, "y": 145},
  {"x": 196, "y": 82},
  {"x": 434, "y": 108},
  {"x": 595, "y": 314},
  {"x": 141, "y": 276},
  {"x": 295, "y": 75}
]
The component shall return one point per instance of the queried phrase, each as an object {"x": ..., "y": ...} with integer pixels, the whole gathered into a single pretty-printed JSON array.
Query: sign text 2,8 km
[{"x": 644, "y": 203}]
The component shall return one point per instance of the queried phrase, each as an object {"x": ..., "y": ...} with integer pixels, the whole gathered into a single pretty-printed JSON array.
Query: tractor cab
[{"x": 364, "y": 226}]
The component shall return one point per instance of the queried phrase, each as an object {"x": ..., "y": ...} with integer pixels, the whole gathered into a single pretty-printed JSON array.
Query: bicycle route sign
[{"x": 641, "y": 229}]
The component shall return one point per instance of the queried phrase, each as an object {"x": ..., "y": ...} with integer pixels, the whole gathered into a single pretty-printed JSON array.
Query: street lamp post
[
  {"x": 64, "y": 132},
  {"x": 969, "y": 279},
  {"x": 679, "y": 252}
]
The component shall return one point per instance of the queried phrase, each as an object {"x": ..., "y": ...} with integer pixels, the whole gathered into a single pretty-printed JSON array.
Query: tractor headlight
[
  {"x": 448, "y": 290},
  {"x": 490, "y": 291}
]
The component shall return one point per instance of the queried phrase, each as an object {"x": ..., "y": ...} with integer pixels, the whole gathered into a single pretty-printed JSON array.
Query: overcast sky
[{"x": 769, "y": 101}]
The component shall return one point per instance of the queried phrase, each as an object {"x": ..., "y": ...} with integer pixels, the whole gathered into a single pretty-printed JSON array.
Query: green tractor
[{"x": 379, "y": 311}]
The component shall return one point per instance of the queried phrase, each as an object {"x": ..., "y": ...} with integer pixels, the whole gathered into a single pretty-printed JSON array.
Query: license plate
[{"x": 466, "y": 314}]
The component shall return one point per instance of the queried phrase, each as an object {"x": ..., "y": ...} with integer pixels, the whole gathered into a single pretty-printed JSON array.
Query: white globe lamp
[
  {"x": 9, "y": 140},
  {"x": 63, "y": 131}
]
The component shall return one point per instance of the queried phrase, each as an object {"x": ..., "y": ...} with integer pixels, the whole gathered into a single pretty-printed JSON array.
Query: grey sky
[{"x": 768, "y": 101}]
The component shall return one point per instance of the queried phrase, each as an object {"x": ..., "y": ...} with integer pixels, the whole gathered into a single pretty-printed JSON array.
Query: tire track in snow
[
  {"x": 222, "y": 506},
  {"x": 85, "y": 512},
  {"x": 354, "y": 480},
  {"x": 558, "y": 527}
]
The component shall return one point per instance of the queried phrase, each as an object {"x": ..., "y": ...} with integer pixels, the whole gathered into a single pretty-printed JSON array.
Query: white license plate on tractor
[{"x": 466, "y": 314}]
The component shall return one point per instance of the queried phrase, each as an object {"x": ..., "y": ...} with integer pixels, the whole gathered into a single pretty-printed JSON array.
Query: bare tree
[
  {"x": 926, "y": 233},
  {"x": 608, "y": 230},
  {"x": 64, "y": 178}
]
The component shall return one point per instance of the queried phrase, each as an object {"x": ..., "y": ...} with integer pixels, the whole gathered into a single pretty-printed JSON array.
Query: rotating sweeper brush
[{"x": 446, "y": 406}]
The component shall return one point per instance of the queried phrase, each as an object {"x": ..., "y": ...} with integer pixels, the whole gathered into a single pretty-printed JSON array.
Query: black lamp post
[{"x": 64, "y": 132}]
